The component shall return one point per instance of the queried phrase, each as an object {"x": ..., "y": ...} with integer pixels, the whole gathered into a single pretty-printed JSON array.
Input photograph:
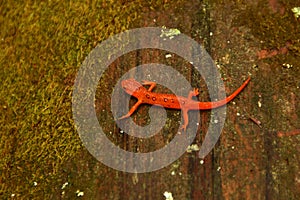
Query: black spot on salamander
[
  {"x": 147, "y": 96},
  {"x": 172, "y": 100},
  {"x": 165, "y": 99},
  {"x": 154, "y": 98}
]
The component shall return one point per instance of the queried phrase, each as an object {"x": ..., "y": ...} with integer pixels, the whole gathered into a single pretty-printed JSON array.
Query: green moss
[
  {"x": 42, "y": 46},
  {"x": 273, "y": 29}
]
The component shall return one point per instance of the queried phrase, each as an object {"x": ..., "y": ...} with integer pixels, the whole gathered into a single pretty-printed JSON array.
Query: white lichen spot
[
  {"x": 216, "y": 121},
  {"x": 135, "y": 178},
  {"x": 219, "y": 168},
  {"x": 193, "y": 147},
  {"x": 226, "y": 59},
  {"x": 210, "y": 33},
  {"x": 296, "y": 11},
  {"x": 201, "y": 162},
  {"x": 232, "y": 147},
  {"x": 79, "y": 193},
  {"x": 168, "y": 56},
  {"x": 173, "y": 173},
  {"x": 259, "y": 104},
  {"x": 168, "y": 195},
  {"x": 13, "y": 195},
  {"x": 286, "y": 65},
  {"x": 34, "y": 183},
  {"x": 121, "y": 131},
  {"x": 238, "y": 114},
  {"x": 169, "y": 33},
  {"x": 180, "y": 174},
  {"x": 255, "y": 66},
  {"x": 64, "y": 185}
]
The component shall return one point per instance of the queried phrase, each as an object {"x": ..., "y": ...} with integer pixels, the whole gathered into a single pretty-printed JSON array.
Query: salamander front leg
[
  {"x": 131, "y": 111},
  {"x": 152, "y": 85},
  {"x": 193, "y": 93}
]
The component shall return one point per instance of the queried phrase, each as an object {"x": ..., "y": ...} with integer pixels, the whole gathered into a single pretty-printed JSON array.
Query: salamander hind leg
[{"x": 185, "y": 120}]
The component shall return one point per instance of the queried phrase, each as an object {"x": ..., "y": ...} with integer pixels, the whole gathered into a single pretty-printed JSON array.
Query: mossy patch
[
  {"x": 276, "y": 29},
  {"x": 42, "y": 46}
]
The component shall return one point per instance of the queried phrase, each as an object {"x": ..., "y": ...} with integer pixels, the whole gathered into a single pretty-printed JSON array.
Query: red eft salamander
[{"x": 172, "y": 101}]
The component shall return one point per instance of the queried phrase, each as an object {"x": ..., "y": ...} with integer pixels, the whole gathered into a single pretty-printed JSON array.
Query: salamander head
[{"x": 131, "y": 86}]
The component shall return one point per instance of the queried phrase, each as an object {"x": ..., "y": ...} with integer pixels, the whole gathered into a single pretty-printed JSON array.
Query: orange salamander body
[{"x": 146, "y": 96}]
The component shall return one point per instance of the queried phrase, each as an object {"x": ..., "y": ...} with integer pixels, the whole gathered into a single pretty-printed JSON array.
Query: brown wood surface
[{"x": 249, "y": 161}]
